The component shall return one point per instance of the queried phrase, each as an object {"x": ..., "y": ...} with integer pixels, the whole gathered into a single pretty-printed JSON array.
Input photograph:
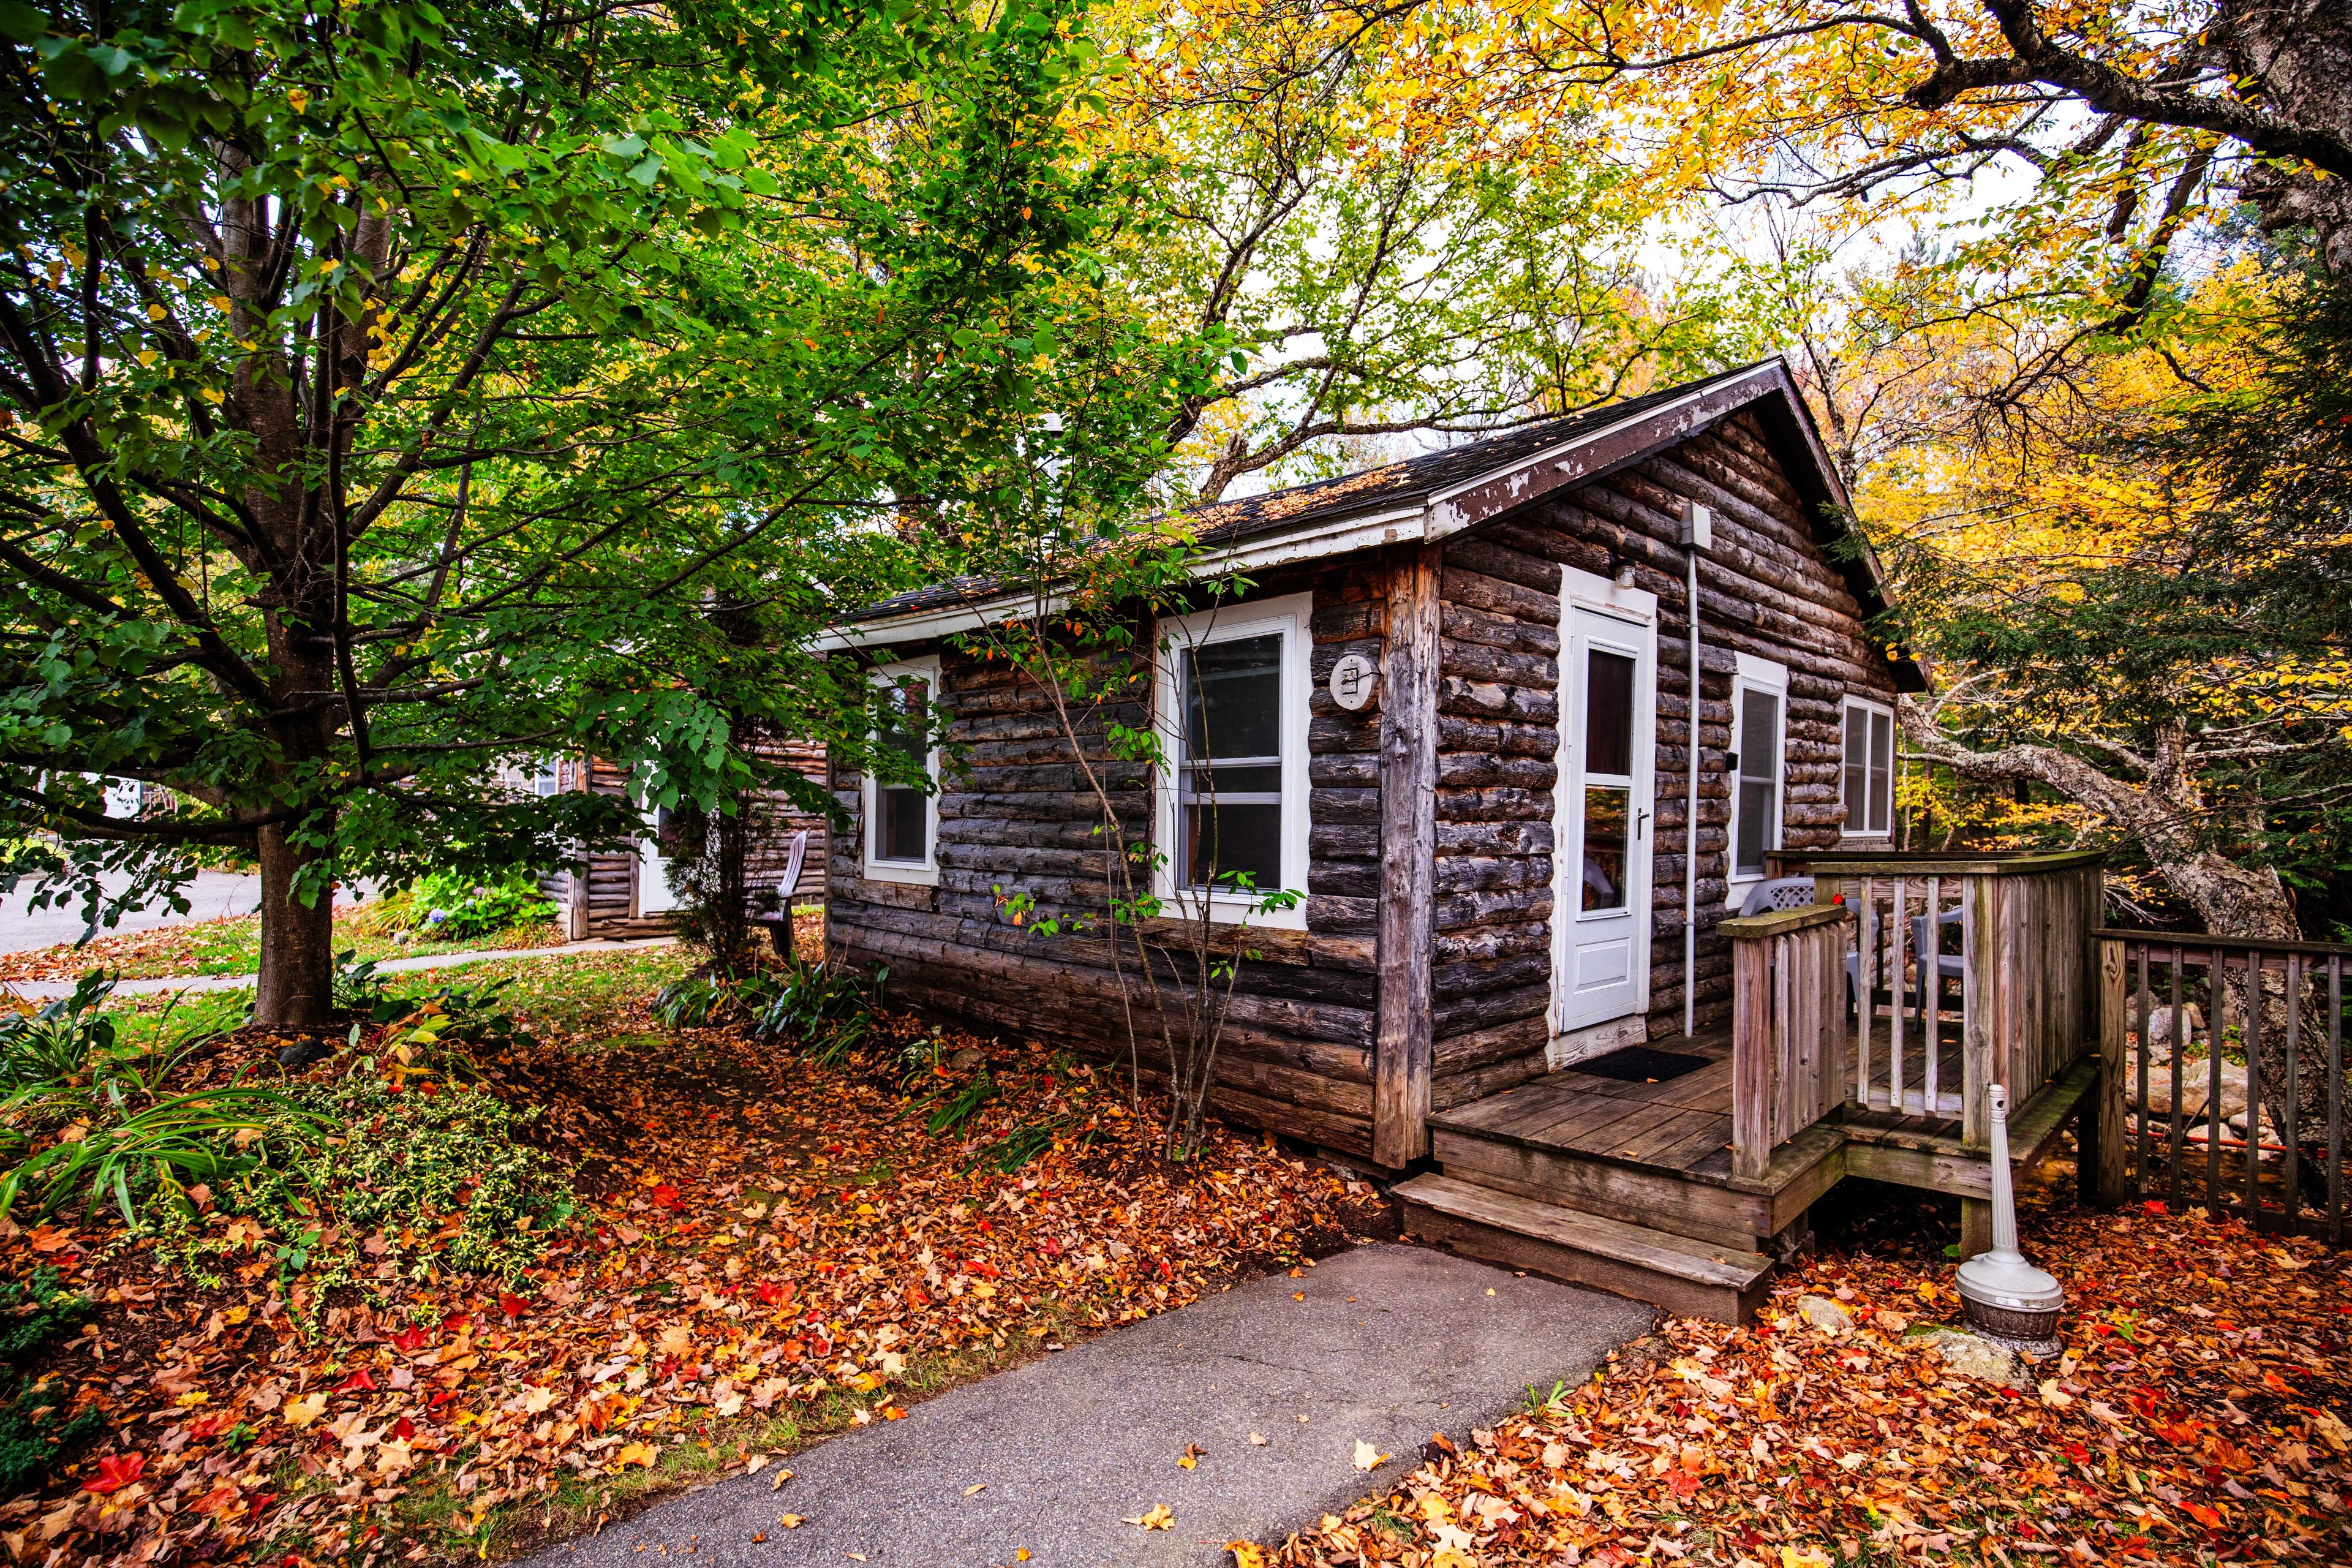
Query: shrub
[
  {"x": 53, "y": 1046},
  {"x": 829, "y": 1010},
  {"x": 34, "y": 1440},
  {"x": 444, "y": 905}
]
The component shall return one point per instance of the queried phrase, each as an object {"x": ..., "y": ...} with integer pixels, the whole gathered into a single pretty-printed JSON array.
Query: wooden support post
[
  {"x": 2099, "y": 1129},
  {"x": 1401, "y": 1043},
  {"x": 1976, "y": 1226}
]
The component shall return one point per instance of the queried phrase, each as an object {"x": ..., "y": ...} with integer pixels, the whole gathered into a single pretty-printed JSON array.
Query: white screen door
[{"x": 1605, "y": 827}]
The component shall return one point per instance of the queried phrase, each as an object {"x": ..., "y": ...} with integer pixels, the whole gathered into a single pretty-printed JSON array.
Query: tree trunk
[{"x": 297, "y": 989}]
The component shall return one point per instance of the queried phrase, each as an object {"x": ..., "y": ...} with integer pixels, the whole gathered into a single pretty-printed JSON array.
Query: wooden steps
[{"x": 1688, "y": 1278}]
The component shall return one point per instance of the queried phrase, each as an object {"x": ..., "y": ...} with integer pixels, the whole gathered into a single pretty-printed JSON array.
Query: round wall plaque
[{"x": 1352, "y": 680}]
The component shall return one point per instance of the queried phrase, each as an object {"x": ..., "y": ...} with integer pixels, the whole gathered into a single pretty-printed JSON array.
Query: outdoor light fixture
[{"x": 2007, "y": 1299}]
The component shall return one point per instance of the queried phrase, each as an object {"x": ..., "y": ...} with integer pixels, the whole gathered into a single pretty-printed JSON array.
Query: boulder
[
  {"x": 1971, "y": 1354},
  {"x": 2196, "y": 1085}
]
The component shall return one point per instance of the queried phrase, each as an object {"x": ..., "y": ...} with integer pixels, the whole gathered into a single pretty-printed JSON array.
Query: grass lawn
[
  {"x": 231, "y": 945},
  {"x": 764, "y": 1248}
]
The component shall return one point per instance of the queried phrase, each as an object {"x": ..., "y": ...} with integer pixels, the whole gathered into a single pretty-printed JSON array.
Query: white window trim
[
  {"x": 1756, "y": 674},
  {"x": 1288, "y": 616},
  {"x": 927, "y": 874},
  {"x": 1881, "y": 711}
]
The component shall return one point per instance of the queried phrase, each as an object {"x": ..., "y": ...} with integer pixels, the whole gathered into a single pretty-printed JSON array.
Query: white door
[
  {"x": 655, "y": 895},
  {"x": 1605, "y": 821}
]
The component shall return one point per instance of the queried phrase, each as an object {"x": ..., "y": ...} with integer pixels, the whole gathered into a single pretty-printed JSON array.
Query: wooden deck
[{"x": 1629, "y": 1184}]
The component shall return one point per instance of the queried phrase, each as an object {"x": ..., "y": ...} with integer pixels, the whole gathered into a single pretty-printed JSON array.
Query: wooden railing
[
  {"x": 1788, "y": 1028},
  {"x": 2231, "y": 1091},
  {"x": 2006, "y": 937}
]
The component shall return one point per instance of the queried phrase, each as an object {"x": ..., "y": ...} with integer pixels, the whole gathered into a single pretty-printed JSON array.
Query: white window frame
[
  {"x": 1876, "y": 710},
  {"x": 926, "y": 873},
  {"x": 1287, "y": 615},
  {"x": 1755, "y": 674}
]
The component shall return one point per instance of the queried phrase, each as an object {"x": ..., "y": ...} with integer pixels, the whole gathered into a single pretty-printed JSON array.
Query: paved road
[
  {"x": 1391, "y": 1344},
  {"x": 211, "y": 896}
]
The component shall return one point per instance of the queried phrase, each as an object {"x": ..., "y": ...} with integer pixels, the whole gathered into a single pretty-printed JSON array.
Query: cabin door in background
[{"x": 1606, "y": 816}]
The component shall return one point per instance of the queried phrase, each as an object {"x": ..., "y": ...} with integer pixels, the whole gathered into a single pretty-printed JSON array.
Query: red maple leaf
[
  {"x": 410, "y": 1340},
  {"x": 116, "y": 1472},
  {"x": 664, "y": 1196},
  {"x": 361, "y": 1381},
  {"x": 511, "y": 1305}
]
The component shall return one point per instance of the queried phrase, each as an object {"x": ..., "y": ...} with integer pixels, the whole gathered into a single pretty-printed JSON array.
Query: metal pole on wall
[{"x": 1697, "y": 533}]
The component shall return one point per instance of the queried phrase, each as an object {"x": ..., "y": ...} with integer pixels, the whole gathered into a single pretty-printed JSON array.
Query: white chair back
[{"x": 790, "y": 883}]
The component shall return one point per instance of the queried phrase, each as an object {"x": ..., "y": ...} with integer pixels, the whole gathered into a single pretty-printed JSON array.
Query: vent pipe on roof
[{"x": 1697, "y": 533}]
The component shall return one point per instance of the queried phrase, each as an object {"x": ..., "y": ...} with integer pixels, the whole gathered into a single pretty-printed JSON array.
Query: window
[
  {"x": 1869, "y": 770},
  {"x": 1759, "y": 700},
  {"x": 548, "y": 780},
  {"x": 902, "y": 820},
  {"x": 1233, "y": 814},
  {"x": 1608, "y": 777}
]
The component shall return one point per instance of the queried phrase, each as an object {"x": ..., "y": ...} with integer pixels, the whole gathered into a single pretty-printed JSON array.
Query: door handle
[{"x": 1639, "y": 818}]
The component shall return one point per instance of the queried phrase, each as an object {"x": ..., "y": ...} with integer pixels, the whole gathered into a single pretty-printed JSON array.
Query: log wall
[
  {"x": 1297, "y": 1053},
  {"x": 1765, "y": 588}
]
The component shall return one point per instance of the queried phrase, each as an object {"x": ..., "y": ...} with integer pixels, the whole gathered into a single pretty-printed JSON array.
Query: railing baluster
[
  {"x": 2287, "y": 1091},
  {"x": 2215, "y": 991},
  {"x": 2336, "y": 1098},
  {"x": 2139, "y": 1117},
  {"x": 2252, "y": 1009},
  {"x": 1865, "y": 949},
  {"x": 1895, "y": 932},
  {"x": 1930, "y": 960},
  {"x": 2180, "y": 1124}
]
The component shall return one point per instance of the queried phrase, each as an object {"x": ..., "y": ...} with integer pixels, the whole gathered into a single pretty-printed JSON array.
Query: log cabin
[
  {"x": 1527, "y": 722},
  {"x": 624, "y": 895}
]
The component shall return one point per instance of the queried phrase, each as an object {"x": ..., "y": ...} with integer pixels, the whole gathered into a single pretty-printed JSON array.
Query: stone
[
  {"x": 2159, "y": 1021},
  {"x": 966, "y": 1060},
  {"x": 1972, "y": 1354},
  {"x": 1824, "y": 1315},
  {"x": 302, "y": 1053}
]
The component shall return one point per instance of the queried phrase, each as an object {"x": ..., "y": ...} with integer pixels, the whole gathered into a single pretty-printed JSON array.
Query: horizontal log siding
[
  {"x": 1295, "y": 1056},
  {"x": 1766, "y": 587}
]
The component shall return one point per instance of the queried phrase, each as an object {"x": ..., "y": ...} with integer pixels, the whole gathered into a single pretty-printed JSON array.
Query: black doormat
[{"x": 1639, "y": 1064}]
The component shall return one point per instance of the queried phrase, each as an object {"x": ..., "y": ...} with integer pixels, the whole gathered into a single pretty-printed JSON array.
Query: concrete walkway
[
  {"x": 42, "y": 990},
  {"x": 1390, "y": 1344}
]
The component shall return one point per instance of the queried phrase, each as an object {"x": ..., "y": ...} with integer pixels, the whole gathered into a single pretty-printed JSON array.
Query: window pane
[
  {"x": 1605, "y": 810},
  {"x": 1226, "y": 838},
  {"x": 1760, "y": 733},
  {"x": 1227, "y": 780},
  {"x": 1608, "y": 713},
  {"x": 1755, "y": 825},
  {"x": 900, "y": 737},
  {"x": 1881, "y": 772},
  {"x": 902, "y": 824},
  {"x": 1232, "y": 698},
  {"x": 1857, "y": 770}
]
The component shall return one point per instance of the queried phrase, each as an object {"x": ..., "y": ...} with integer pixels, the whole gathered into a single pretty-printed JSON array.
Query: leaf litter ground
[
  {"x": 767, "y": 1249},
  {"x": 2201, "y": 1413}
]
